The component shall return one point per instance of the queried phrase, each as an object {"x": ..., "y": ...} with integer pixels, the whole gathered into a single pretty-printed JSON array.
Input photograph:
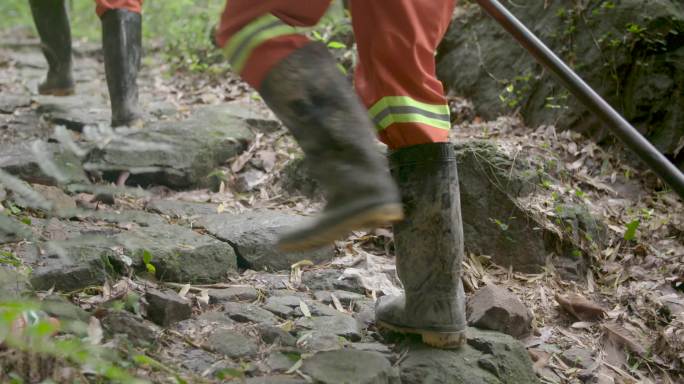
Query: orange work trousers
[
  {"x": 105, "y": 5},
  {"x": 396, "y": 40}
]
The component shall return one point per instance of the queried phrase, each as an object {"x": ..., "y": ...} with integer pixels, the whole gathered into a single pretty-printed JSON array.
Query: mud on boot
[
  {"x": 429, "y": 248},
  {"x": 315, "y": 101}
]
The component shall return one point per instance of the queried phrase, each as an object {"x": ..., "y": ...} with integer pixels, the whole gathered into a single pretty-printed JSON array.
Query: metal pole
[{"x": 618, "y": 125}]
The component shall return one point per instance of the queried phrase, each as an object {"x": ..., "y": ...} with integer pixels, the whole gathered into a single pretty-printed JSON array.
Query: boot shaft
[
  {"x": 52, "y": 23},
  {"x": 122, "y": 47},
  {"x": 316, "y": 102},
  {"x": 429, "y": 242}
]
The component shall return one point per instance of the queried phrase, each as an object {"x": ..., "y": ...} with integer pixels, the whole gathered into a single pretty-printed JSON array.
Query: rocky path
[{"x": 162, "y": 238}]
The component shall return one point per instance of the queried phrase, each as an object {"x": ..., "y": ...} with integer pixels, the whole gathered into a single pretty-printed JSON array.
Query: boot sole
[
  {"x": 58, "y": 92},
  {"x": 371, "y": 218},
  {"x": 442, "y": 340}
]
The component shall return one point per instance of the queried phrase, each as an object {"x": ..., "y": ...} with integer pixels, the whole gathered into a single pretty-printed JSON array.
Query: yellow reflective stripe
[
  {"x": 405, "y": 101},
  {"x": 403, "y": 109},
  {"x": 252, "y": 35},
  {"x": 412, "y": 118}
]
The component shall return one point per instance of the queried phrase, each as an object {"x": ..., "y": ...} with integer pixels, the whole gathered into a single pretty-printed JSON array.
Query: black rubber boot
[
  {"x": 312, "y": 98},
  {"x": 122, "y": 45},
  {"x": 429, "y": 248},
  {"x": 52, "y": 23}
]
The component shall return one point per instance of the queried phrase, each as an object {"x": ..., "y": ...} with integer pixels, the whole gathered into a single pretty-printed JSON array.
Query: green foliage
[
  {"x": 39, "y": 339},
  {"x": 147, "y": 260},
  {"x": 631, "y": 228}
]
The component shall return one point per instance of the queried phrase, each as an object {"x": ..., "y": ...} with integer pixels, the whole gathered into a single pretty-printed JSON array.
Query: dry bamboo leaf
[
  {"x": 184, "y": 290},
  {"x": 624, "y": 338},
  {"x": 580, "y": 307},
  {"x": 337, "y": 303},
  {"x": 304, "y": 308},
  {"x": 95, "y": 333}
]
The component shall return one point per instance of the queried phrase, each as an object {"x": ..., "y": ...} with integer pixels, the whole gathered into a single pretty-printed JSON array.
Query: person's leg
[
  {"x": 122, "y": 47},
  {"x": 52, "y": 23},
  {"x": 299, "y": 80},
  {"x": 396, "y": 78}
]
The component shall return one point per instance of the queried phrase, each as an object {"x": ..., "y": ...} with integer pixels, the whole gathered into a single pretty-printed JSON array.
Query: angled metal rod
[{"x": 617, "y": 124}]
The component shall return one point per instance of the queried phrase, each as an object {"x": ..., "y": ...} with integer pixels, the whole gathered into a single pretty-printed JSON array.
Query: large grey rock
[
  {"x": 181, "y": 209},
  {"x": 12, "y": 283},
  {"x": 232, "y": 344},
  {"x": 74, "y": 112},
  {"x": 19, "y": 160},
  {"x": 254, "y": 236},
  {"x": 340, "y": 325},
  {"x": 180, "y": 254},
  {"x": 138, "y": 330},
  {"x": 12, "y": 230},
  {"x": 166, "y": 307},
  {"x": 10, "y": 102},
  {"x": 329, "y": 279},
  {"x": 496, "y": 308},
  {"x": 245, "y": 293},
  {"x": 487, "y": 358},
  {"x": 84, "y": 255},
  {"x": 245, "y": 313},
  {"x": 630, "y": 52},
  {"x": 350, "y": 367},
  {"x": 498, "y": 221},
  {"x": 195, "y": 147}
]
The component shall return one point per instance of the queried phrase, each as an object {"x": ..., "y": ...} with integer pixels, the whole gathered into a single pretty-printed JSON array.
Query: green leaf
[
  {"x": 630, "y": 233},
  {"x": 336, "y": 45},
  {"x": 147, "y": 256}
]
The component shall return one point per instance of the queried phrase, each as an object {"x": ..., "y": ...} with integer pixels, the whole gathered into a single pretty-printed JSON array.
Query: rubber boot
[
  {"x": 52, "y": 23},
  {"x": 121, "y": 42},
  {"x": 429, "y": 248},
  {"x": 312, "y": 98}
]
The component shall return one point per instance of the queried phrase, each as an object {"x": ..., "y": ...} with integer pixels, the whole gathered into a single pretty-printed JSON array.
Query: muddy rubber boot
[
  {"x": 121, "y": 43},
  {"x": 52, "y": 23},
  {"x": 429, "y": 248},
  {"x": 312, "y": 98}
]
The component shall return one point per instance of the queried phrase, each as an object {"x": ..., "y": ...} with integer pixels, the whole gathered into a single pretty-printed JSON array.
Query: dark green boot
[
  {"x": 52, "y": 23},
  {"x": 121, "y": 43},
  {"x": 429, "y": 248},
  {"x": 312, "y": 98}
]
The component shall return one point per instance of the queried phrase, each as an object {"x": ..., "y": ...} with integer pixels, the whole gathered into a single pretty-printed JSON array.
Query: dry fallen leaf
[
  {"x": 580, "y": 307},
  {"x": 304, "y": 308},
  {"x": 622, "y": 337}
]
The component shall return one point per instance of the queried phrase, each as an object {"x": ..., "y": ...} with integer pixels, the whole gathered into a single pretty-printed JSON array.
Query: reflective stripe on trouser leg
[
  {"x": 241, "y": 45},
  {"x": 403, "y": 109}
]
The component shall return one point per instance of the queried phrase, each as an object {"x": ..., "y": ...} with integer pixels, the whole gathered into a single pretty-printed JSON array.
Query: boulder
[
  {"x": 340, "y": 325},
  {"x": 82, "y": 255},
  {"x": 19, "y": 160},
  {"x": 136, "y": 328},
  {"x": 232, "y": 344},
  {"x": 350, "y": 367},
  {"x": 12, "y": 283},
  {"x": 499, "y": 220},
  {"x": 245, "y": 313},
  {"x": 244, "y": 293},
  {"x": 177, "y": 154},
  {"x": 181, "y": 209},
  {"x": 629, "y": 51},
  {"x": 498, "y": 309},
  {"x": 254, "y": 236},
  {"x": 487, "y": 358},
  {"x": 179, "y": 254},
  {"x": 166, "y": 307}
]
